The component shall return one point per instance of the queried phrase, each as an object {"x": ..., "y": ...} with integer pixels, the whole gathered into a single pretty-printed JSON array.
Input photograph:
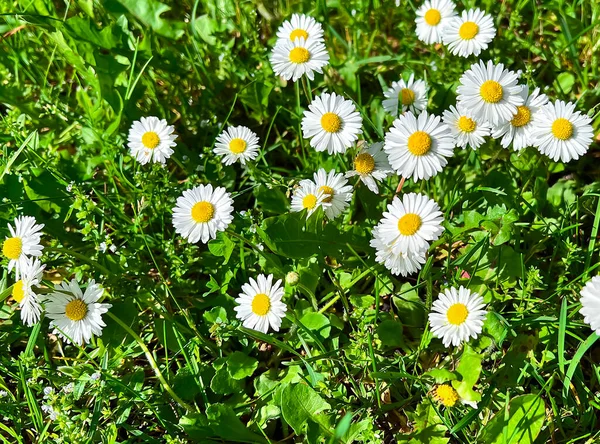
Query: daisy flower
[
  {"x": 151, "y": 139},
  {"x": 308, "y": 197},
  {"x": 201, "y": 212},
  {"x": 590, "y": 303},
  {"x": 470, "y": 33},
  {"x": 371, "y": 165},
  {"x": 418, "y": 146},
  {"x": 332, "y": 123},
  {"x": 24, "y": 241},
  {"x": 560, "y": 132},
  {"x": 517, "y": 130},
  {"x": 411, "y": 223},
  {"x": 432, "y": 17},
  {"x": 293, "y": 59},
  {"x": 237, "y": 143},
  {"x": 397, "y": 262},
  {"x": 490, "y": 92},
  {"x": 465, "y": 129},
  {"x": 336, "y": 191},
  {"x": 406, "y": 96},
  {"x": 260, "y": 304},
  {"x": 300, "y": 25},
  {"x": 457, "y": 315},
  {"x": 23, "y": 294},
  {"x": 446, "y": 395},
  {"x": 76, "y": 315}
]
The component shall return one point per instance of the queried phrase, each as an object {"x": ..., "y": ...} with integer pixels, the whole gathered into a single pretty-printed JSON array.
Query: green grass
[{"x": 355, "y": 359}]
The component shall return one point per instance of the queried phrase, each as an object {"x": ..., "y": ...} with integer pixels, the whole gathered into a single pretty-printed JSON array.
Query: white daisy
[
  {"x": 411, "y": 223},
  {"x": 307, "y": 196},
  {"x": 293, "y": 59},
  {"x": 332, "y": 123},
  {"x": 517, "y": 130},
  {"x": 590, "y": 303},
  {"x": 470, "y": 33},
  {"x": 24, "y": 241},
  {"x": 31, "y": 274},
  {"x": 76, "y": 315},
  {"x": 560, "y": 132},
  {"x": 300, "y": 25},
  {"x": 336, "y": 192},
  {"x": 151, "y": 139},
  {"x": 432, "y": 17},
  {"x": 260, "y": 304},
  {"x": 457, "y": 315},
  {"x": 490, "y": 92},
  {"x": 397, "y": 262},
  {"x": 418, "y": 146},
  {"x": 201, "y": 212},
  {"x": 237, "y": 143},
  {"x": 371, "y": 165},
  {"x": 406, "y": 96},
  {"x": 465, "y": 129}
]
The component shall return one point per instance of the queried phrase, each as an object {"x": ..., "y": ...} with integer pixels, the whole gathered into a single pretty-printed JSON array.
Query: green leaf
[
  {"x": 390, "y": 333},
  {"x": 441, "y": 375},
  {"x": 469, "y": 369},
  {"x": 300, "y": 404},
  {"x": 427, "y": 425},
  {"x": 149, "y": 12},
  {"x": 225, "y": 424},
  {"x": 204, "y": 27},
  {"x": 240, "y": 366},
  {"x": 316, "y": 322},
  {"x": 222, "y": 246}
]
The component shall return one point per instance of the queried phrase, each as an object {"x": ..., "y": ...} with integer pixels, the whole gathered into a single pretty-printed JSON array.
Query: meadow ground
[{"x": 355, "y": 359}]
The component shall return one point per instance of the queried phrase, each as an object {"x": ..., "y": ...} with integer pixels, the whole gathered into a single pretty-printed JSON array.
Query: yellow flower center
[
  {"x": 409, "y": 224},
  {"x": 298, "y": 33},
  {"x": 150, "y": 140},
  {"x": 17, "y": 293},
  {"x": 466, "y": 124},
  {"x": 76, "y": 310},
  {"x": 12, "y": 248},
  {"x": 561, "y": 128},
  {"x": 432, "y": 17},
  {"x": 446, "y": 395},
  {"x": 364, "y": 163},
  {"x": 328, "y": 192},
  {"x": 522, "y": 118},
  {"x": 309, "y": 201},
  {"x": 457, "y": 314},
  {"x": 491, "y": 91},
  {"x": 203, "y": 211},
  {"x": 468, "y": 30},
  {"x": 331, "y": 122},
  {"x": 419, "y": 143},
  {"x": 237, "y": 146},
  {"x": 261, "y": 304},
  {"x": 407, "y": 96},
  {"x": 299, "y": 55}
]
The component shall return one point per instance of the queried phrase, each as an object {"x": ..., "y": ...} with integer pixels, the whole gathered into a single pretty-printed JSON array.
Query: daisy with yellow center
[
  {"x": 300, "y": 26},
  {"x": 560, "y": 132},
  {"x": 404, "y": 96},
  {"x": 470, "y": 33},
  {"x": 291, "y": 59},
  {"x": 259, "y": 304},
  {"x": 457, "y": 315},
  {"x": 590, "y": 303},
  {"x": 446, "y": 395},
  {"x": 465, "y": 129},
  {"x": 432, "y": 18},
  {"x": 24, "y": 294},
  {"x": 201, "y": 212},
  {"x": 237, "y": 143},
  {"x": 308, "y": 197},
  {"x": 336, "y": 192},
  {"x": 371, "y": 165},
  {"x": 418, "y": 146},
  {"x": 331, "y": 123},
  {"x": 23, "y": 242},
  {"x": 151, "y": 139},
  {"x": 76, "y": 315},
  {"x": 397, "y": 262}
]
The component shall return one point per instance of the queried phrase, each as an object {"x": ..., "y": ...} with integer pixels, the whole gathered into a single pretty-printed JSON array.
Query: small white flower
[
  {"x": 31, "y": 274},
  {"x": 301, "y": 25},
  {"x": 469, "y": 33},
  {"x": 112, "y": 248},
  {"x": 3, "y": 393},
  {"x": 332, "y": 123},
  {"x": 490, "y": 92},
  {"x": 371, "y": 165},
  {"x": 151, "y": 139},
  {"x": 201, "y": 212},
  {"x": 52, "y": 414},
  {"x": 432, "y": 17},
  {"x": 260, "y": 304},
  {"x": 68, "y": 388},
  {"x": 307, "y": 196},
  {"x": 102, "y": 247},
  {"x": 337, "y": 193},
  {"x": 237, "y": 143},
  {"x": 48, "y": 391},
  {"x": 95, "y": 376},
  {"x": 467, "y": 131},
  {"x": 76, "y": 315},
  {"x": 406, "y": 96},
  {"x": 397, "y": 262},
  {"x": 292, "y": 60},
  {"x": 590, "y": 303},
  {"x": 418, "y": 146},
  {"x": 24, "y": 242},
  {"x": 457, "y": 315},
  {"x": 560, "y": 132}
]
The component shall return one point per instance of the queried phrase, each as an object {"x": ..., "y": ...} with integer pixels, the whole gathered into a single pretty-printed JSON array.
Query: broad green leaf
[
  {"x": 225, "y": 424},
  {"x": 441, "y": 375},
  {"x": 316, "y": 322},
  {"x": 300, "y": 404},
  {"x": 240, "y": 366},
  {"x": 390, "y": 333},
  {"x": 149, "y": 12},
  {"x": 427, "y": 427},
  {"x": 222, "y": 246},
  {"x": 469, "y": 369}
]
